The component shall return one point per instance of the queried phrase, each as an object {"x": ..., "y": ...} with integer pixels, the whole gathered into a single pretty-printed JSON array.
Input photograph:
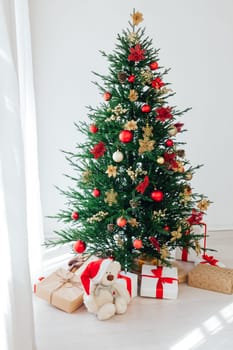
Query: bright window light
[
  {"x": 196, "y": 337},
  {"x": 213, "y": 325},
  {"x": 227, "y": 313}
]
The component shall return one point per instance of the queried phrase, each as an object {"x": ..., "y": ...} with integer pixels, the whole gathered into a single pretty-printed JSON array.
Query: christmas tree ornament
[
  {"x": 110, "y": 227},
  {"x": 157, "y": 195},
  {"x": 111, "y": 171},
  {"x": 93, "y": 128},
  {"x": 137, "y": 18},
  {"x": 133, "y": 95},
  {"x": 126, "y": 136},
  {"x": 122, "y": 76},
  {"x": 118, "y": 239},
  {"x": 79, "y": 246},
  {"x": 107, "y": 96},
  {"x": 160, "y": 160},
  {"x": 117, "y": 156},
  {"x": 133, "y": 203},
  {"x": 203, "y": 204},
  {"x": 157, "y": 83},
  {"x": 146, "y": 76},
  {"x": 96, "y": 192},
  {"x": 121, "y": 221},
  {"x": 172, "y": 130},
  {"x": 188, "y": 176},
  {"x": 137, "y": 243},
  {"x": 163, "y": 114},
  {"x": 131, "y": 125},
  {"x": 146, "y": 145},
  {"x": 147, "y": 131},
  {"x": 155, "y": 243},
  {"x": 154, "y": 65},
  {"x": 142, "y": 186},
  {"x": 131, "y": 79},
  {"x": 169, "y": 143},
  {"x": 133, "y": 222},
  {"x": 75, "y": 215},
  {"x": 176, "y": 234},
  {"x": 136, "y": 53},
  {"x": 179, "y": 126},
  {"x": 166, "y": 228},
  {"x": 180, "y": 153},
  {"x": 98, "y": 150},
  {"x": 146, "y": 108},
  {"x": 111, "y": 197}
]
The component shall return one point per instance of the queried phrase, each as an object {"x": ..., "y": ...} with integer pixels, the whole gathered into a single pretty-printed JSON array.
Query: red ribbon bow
[
  {"x": 209, "y": 260},
  {"x": 157, "y": 273},
  {"x": 128, "y": 282}
]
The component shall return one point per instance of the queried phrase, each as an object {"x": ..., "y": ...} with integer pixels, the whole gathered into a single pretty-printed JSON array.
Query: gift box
[
  {"x": 209, "y": 260},
  {"x": 61, "y": 289},
  {"x": 190, "y": 254},
  {"x": 159, "y": 282},
  {"x": 218, "y": 279},
  {"x": 131, "y": 281}
]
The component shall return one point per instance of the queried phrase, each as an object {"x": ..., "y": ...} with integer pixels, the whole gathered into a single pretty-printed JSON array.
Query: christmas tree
[{"x": 132, "y": 195}]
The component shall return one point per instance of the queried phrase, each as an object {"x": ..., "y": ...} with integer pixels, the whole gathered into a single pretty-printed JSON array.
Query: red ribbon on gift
[
  {"x": 209, "y": 260},
  {"x": 157, "y": 273},
  {"x": 128, "y": 282}
]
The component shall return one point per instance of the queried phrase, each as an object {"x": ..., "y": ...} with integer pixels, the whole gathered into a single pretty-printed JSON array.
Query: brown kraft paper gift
[{"x": 218, "y": 279}]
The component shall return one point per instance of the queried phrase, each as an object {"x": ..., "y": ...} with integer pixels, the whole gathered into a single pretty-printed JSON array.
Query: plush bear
[{"x": 105, "y": 295}]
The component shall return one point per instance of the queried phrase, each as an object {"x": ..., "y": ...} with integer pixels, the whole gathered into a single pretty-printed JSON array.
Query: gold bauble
[
  {"x": 188, "y": 176},
  {"x": 160, "y": 160},
  {"x": 172, "y": 131}
]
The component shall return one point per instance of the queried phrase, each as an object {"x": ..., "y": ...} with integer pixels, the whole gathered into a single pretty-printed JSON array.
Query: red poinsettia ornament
[
  {"x": 157, "y": 83},
  {"x": 136, "y": 53},
  {"x": 98, "y": 150},
  {"x": 163, "y": 114}
]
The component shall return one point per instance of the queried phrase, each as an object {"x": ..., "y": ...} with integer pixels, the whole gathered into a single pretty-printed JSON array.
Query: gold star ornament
[
  {"x": 146, "y": 145},
  {"x": 111, "y": 197},
  {"x": 137, "y": 18},
  {"x": 131, "y": 125},
  {"x": 176, "y": 234},
  {"x": 203, "y": 204},
  {"x": 111, "y": 171}
]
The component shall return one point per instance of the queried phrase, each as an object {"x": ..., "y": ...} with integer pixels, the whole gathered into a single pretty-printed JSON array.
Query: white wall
[{"x": 196, "y": 41}]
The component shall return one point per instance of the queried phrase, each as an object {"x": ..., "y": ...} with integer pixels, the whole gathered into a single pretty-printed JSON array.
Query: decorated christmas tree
[{"x": 131, "y": 195}]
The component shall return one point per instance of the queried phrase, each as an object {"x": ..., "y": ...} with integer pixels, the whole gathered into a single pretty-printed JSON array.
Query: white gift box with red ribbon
[
  {"x": 131, "y": 281},
  {"x": 209, "y": 260},
  {"x": 190, "y": 254},
  {"x": 159, "y": 282}
]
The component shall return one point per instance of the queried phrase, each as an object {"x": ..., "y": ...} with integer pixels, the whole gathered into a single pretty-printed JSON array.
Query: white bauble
[{"x": 117, "y": 156}]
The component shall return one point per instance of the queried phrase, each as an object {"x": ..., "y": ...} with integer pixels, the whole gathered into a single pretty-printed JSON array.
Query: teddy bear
[{"x": 104, "y": 294}]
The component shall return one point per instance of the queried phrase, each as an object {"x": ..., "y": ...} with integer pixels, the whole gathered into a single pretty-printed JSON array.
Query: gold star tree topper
[{"x": 137, "y": 17}]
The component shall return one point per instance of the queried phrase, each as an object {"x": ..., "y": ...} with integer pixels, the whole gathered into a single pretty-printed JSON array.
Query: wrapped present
[
  {"x": 218, "y": 279},
  {"x": 191, "y": 254},
  {"x": 131, "y": 281},
  {"x": 159, "y": 282},
  {"x": 210, "y": 260},
  {"x": 61, "y": 289}
]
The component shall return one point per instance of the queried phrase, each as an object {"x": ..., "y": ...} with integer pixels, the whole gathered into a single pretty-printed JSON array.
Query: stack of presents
[{"x": 64, "y": 290}]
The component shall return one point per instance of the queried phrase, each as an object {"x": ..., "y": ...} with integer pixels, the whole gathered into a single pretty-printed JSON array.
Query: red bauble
[
  {"x": 126, "y": 136},
  {"x": 107, "y": 96},
  {"x": 131, "y": 79},
  {"x": 154, "y": 65},
  {"x": 169, "y": 143},
  {"x": 137, "y": 243},
  {"x": 96, "y": 192},
  {"x": 121, "y": 222},
  {"x": 166, "y": 228},
  {"x": 157, "y": 195},
  {"x": 93, "y": 128},
  {"x": 79, "y": 246},
  {"x": 75, "y": 215},
  {"x": 146, "y": 108}
]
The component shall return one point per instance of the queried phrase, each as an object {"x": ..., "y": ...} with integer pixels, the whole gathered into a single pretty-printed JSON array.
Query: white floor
[{"x": 198, "y": 319}]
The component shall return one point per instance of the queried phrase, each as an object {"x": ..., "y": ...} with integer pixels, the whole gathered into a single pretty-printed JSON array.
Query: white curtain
[{"x": 20, "y": 211}]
